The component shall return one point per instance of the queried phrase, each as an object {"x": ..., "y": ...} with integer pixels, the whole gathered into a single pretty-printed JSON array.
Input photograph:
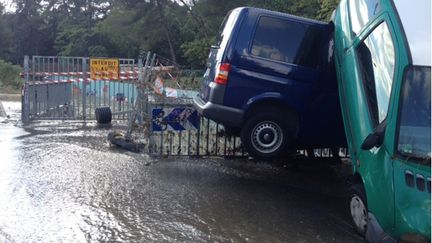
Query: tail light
[{"x": 222, "y": 73}]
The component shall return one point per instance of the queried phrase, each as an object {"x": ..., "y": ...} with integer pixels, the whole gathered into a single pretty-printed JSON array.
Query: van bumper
[
  {"x": 222, "y": 114},
  {"x": 375, "y": 233}
]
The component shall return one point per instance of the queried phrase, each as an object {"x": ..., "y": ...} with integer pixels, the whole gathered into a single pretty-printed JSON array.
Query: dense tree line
[{"x": 180, "y": 30}]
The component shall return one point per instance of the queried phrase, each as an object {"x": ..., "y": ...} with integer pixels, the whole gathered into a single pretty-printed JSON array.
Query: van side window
[
  {"x": 376, "y": 58},
  {"x": 286, "y": 41},
  {"x": 361, "y": 11}
]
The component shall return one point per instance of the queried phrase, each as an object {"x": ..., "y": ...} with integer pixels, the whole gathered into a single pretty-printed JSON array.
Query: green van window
[
  {"x": 361, "y": 11},
  {"x": 376, "y": 58},
  {"x": 414, "y": 139}
]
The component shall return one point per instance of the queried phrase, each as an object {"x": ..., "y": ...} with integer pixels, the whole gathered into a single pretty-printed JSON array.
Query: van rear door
[{"x": 217, "y": 51}]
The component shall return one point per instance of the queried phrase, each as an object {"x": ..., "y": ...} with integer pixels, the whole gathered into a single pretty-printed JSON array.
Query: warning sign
[{"x": 104, "y": 68}]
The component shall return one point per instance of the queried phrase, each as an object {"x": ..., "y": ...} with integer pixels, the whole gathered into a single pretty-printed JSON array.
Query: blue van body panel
[{"x": 309, "y": 92}]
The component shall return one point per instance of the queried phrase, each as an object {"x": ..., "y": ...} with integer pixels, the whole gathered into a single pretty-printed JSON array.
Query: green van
[{"x": 383, "y": 61}]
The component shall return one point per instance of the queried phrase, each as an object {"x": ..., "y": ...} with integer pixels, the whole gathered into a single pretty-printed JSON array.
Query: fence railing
[{"x": 62, "y": 88}]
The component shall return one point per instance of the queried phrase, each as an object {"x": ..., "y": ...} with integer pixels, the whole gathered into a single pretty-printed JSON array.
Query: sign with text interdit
[{"x": 104, "y": 68}]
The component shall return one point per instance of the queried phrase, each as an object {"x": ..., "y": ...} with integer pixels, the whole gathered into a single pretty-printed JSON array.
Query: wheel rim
[
  {"x": 358, "y": 213},
  {"x": 266, "y": 137}
]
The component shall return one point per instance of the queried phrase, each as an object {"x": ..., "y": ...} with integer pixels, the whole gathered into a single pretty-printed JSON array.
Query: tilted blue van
[{"x": 270, "y": 78}]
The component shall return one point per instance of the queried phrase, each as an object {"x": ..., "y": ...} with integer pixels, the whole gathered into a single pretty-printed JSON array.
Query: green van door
[{"x": 385, "y": 100}]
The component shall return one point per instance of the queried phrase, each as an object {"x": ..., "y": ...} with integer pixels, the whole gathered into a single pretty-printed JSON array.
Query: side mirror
[{"x": 376, "y": 138}]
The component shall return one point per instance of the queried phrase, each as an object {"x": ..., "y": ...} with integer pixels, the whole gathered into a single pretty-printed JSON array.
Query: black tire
[
  {"x": 357, "y": 208},
  {"x": 103, "y": 115},
  {"x": 266, "y": 135}
]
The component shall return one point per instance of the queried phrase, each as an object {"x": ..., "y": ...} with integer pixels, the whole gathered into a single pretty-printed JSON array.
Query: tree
[
  {"x": 6, "y": 35},
  {"x": 326, "y": 9},
  {"x": 9, "y": 76},
  {"x": 182, "y": 30}
]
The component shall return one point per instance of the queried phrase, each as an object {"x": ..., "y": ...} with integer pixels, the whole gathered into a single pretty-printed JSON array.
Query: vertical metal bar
[
  {"x": 32, "y": 102},
  {"x": 71, "y": 68},
  {"x": 199, "y": 138},
  {"x": 225, "y": 144},
  {"x": 110, "y": 88},
  {"x": 84, "y": 75},
  {"x": 217, "y": 138},
  {"x": 25, "y": 107},
  {"x": 188, "y": 143},
  {"x": 171, "y": 144},
  {"x": 208, "y": 136},
  {"x": 115, "y": 96},
  {"x": 124, "y": 96},
  {"x": 161, "y": 142},
  {"x": 235, "y": 146},
  {"x": 94, "y": 92},
  {"x": 179, "y": 143}
]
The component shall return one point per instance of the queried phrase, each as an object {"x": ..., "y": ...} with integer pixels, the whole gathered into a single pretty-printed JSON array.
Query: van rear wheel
[{"x": 265, "y": 135}]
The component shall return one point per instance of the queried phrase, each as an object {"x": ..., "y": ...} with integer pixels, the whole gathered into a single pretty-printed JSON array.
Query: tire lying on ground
[{"x": 103, "y": 115}]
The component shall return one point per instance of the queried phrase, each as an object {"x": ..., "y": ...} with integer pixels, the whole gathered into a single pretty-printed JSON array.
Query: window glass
[
  {"x": 414, "y": 138},
  {"x": 376, "y": 57},
  {"x": 287, "y": 41},
  {"x": 226, "y": 29},
  {"x": 361, "y": 11}
]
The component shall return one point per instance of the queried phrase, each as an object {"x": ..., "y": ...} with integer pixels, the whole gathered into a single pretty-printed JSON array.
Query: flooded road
[{"x": 61, "y": 182}]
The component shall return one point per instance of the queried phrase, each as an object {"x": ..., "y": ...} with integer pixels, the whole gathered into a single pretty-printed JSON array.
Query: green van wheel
[{"x": 358, "y": 208}]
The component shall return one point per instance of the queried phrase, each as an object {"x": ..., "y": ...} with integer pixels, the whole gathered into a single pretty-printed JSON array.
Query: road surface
[{"x": 60, "y": 181}]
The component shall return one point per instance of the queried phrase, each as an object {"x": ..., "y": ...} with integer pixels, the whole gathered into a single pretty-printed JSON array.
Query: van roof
[
  {"x": 266, "y": 11},
  {"x": 416, "y": 21}
]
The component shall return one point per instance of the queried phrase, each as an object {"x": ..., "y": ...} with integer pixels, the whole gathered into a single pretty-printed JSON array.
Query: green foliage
[
  {"x": 9, "y": 77},
  {"x": 196, "y": 51},
  {"x": 326, "y": 9},
  {"x": 125, "y": 28}
]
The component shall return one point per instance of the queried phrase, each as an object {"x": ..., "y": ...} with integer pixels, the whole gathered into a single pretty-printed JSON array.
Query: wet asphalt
[{"x": 62, "y": 182}]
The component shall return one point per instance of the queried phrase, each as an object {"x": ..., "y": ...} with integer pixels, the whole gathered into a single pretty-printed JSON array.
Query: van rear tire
[{"x": 265, "y": 135}]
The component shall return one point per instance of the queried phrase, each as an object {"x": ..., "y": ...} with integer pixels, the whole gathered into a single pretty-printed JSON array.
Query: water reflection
[{"x": 63, "y": 183}]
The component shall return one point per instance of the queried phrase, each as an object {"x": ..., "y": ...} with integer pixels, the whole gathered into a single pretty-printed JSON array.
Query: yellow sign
[{"x": 104, "y": 68}]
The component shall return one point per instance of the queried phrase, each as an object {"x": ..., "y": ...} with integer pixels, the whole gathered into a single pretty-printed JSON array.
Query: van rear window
[
  {"x": 287, "y": 41},
  {"x": 226, "y": 29}
]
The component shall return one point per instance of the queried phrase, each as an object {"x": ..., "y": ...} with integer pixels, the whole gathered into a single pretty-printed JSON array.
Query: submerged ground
[{"x": 60, "y": 181}]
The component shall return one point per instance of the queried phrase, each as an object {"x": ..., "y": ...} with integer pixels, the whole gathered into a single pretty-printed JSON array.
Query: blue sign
[{"x": 174, "y": 119}]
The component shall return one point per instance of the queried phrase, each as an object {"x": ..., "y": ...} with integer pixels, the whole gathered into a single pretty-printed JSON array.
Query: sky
[{"x": 8, "y": 5}]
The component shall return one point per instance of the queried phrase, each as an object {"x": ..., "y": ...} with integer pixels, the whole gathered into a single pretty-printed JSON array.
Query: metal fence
[
  {"x": 151, "y": 93},
  {"x": 61, "y": 88}
]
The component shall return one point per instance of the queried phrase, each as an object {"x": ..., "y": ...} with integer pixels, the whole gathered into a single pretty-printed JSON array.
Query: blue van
[{"x": 270, "y": 78}]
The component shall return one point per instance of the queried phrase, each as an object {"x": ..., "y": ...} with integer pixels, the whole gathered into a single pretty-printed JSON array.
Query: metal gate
[
  {"x": 64, "y": 88},
  {"x": 61, "y": 88}
]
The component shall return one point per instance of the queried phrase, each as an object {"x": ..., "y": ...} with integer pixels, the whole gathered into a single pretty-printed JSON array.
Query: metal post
[
  {"x": 25, "y": 106},
  {"x": 84, "y": 95}
]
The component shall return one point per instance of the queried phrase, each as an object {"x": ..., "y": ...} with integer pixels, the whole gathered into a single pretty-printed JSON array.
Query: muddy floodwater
[{"x": 61, "y": 182}]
